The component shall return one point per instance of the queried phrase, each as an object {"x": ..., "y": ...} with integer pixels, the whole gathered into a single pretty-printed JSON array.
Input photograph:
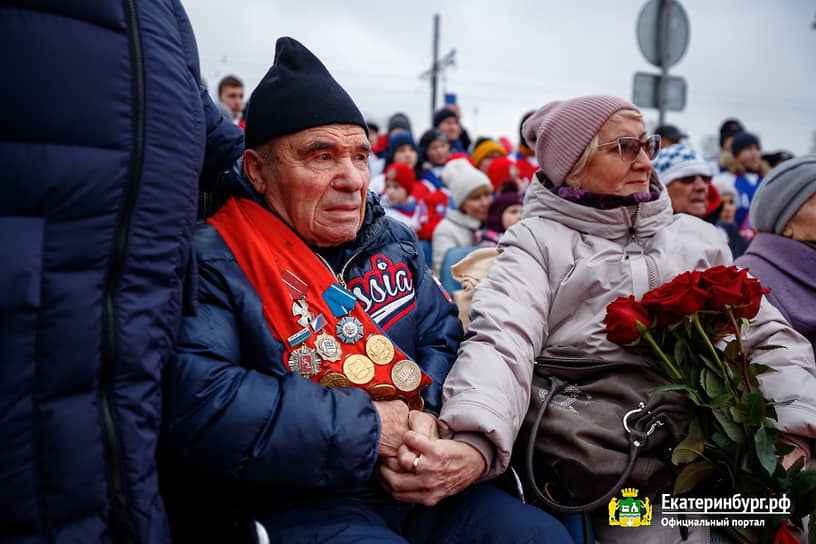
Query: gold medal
[
  {"x": 416, "y": 403},
  {"x": 406, "y": 375},
  {"x": 358, "y": 369},
  {"x": 379, "y": 349},
  {"x": 382, "y": 391},
  {"x": 334, "y": 379}
]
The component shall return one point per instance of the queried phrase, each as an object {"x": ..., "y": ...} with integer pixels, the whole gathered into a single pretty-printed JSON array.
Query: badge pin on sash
[
  {"x": 339, "y": 299},
  {"x": 296, "y": 288}
]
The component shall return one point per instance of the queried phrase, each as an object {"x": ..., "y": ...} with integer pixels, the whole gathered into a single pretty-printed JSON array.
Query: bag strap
[{"x": 637, "y": 440}]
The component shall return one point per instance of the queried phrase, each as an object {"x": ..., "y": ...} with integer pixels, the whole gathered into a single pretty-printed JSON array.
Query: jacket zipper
[
  {"x": 633, "y": 246},
  {"x": 117, "y": 498},
  {"x": 341, "y": 275}
]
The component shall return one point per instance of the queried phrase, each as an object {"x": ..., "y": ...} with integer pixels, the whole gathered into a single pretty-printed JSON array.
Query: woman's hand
[{"x": 426, "y": 471}]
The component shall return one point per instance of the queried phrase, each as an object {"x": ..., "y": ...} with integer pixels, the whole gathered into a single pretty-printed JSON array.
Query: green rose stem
[
  {"x": 699, "y": 326},
  {"x": 648, "y": 336},
  {"x": 730, "y": 313}
]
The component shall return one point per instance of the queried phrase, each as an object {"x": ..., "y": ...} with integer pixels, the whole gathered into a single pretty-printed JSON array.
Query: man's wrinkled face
[
  {"x": 316, "y": 180},
  {"x": 689, "y": 194}
]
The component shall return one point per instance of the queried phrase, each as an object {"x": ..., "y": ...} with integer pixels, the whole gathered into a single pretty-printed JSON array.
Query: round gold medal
[
  {"x": 416, "y": 403},
  {"x": 334, "y": 379},
  {"x": 379, "y": 349},
  {"x": 382, "y": 391},
  {"x": 358, "y": 369},
  {"x": 406, "y": 375}
]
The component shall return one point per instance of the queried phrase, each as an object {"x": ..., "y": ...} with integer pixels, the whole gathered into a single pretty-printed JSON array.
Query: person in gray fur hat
[{"x": 783, "y": 253}]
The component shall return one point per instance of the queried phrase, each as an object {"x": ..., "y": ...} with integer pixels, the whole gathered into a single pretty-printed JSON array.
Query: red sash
[{"x": 269, "y": 251}]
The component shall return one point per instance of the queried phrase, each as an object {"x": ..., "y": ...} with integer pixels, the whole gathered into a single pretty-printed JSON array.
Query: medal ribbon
[{"x": 269, "y": 251}]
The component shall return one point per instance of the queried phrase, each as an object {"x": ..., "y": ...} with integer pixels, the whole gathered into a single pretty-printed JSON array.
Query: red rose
[
  {"x": 784, "y": 536},
  {"x": 682, "y": 296},
  {"x": 752, "y": 292},
  {"x": 724, "y": 284},
  {"x": 622, "y": 316},
  {"x": 732, "y": 286}
]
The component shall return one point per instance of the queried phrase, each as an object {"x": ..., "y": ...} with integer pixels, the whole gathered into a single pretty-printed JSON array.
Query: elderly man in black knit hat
[{"x": 319, "y": 327}]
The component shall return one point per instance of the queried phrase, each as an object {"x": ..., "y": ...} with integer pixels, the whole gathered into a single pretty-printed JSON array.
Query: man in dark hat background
[
  {"x": 318, "y": 323},
  {"x": 669, "y": 135},
  {"x": 728, "y": 129}
]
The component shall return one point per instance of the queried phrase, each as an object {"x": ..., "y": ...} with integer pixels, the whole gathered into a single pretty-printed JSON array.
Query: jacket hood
[
  {"x": 731, "y": 164},
  {"x": 613, "y": 224}
]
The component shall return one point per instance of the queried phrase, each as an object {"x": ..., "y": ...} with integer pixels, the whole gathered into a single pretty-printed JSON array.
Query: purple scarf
[{"x": 597, "y": 200}]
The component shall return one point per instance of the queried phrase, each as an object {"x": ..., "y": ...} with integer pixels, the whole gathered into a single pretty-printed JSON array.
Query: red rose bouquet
[{"x": 733, "y": 445}]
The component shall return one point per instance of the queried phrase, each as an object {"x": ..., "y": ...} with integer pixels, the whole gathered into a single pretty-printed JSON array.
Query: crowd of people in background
[{"x": 454, "y": 191}]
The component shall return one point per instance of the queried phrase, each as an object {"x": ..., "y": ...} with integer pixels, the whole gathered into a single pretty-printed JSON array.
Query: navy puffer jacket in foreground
[
  {"x": 243, "y": 434},
  {"x": 103, "y": 133}
]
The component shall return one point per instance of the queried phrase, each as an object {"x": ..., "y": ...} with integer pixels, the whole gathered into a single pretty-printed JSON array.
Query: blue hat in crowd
[
  {"x": 395, "y": 141},
  {"x": 743, "y": 140},
  {"x": 441, "y": 115},
  {"x": 297, "y": 93}
]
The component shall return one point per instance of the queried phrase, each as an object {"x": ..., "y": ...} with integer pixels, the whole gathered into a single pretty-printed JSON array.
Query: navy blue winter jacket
[
  {"x": 245, "y": 433},
  {"x": 103, "y": 133}
]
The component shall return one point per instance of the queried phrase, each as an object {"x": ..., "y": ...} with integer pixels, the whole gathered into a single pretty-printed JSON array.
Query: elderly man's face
[
  {"x": 689, "y": 194},
  {"x": 316, "y": 180}
]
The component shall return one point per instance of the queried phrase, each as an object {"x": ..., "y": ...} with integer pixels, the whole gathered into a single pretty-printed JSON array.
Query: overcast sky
[{"x": 750, "y": 59}]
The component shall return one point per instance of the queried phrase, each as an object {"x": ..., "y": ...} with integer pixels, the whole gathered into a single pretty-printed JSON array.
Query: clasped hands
[{"x": 417, "y": 465}]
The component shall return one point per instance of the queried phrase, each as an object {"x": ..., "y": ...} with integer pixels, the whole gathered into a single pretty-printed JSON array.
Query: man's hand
[
  {"x": 423, "y": 423},
  {"x": 444, "y": 468},
  {"x": 393, "y": 425}
]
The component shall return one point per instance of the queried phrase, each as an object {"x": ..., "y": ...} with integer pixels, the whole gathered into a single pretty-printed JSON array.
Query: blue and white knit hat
[{"x": 679, "y": 161}]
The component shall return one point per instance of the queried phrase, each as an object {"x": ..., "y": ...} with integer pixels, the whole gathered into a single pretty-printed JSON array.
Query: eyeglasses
[{"x": 628, "y": 147}]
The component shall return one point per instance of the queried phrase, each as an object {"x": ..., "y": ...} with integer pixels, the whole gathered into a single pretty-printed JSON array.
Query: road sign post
[{"x": 663, "y": 36}]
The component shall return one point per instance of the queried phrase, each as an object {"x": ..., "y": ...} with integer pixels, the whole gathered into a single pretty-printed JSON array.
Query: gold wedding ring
[{"x": 415, "y": 464}]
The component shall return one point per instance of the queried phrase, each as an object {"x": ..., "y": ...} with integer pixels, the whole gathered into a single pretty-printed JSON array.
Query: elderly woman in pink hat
[{"x": 598, "y": 225}]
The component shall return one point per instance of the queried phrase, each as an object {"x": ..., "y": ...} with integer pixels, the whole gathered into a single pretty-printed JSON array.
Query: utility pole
[
  {"x": 437, "y": 65},
  {"x": 434, "y": 62}
]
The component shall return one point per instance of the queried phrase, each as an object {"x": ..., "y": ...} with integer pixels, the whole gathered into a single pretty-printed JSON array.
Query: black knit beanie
[
  {"x": 295, "y": 94},
  {"x": 441, "y": 115},
  {"x": 743, "y": 140}
]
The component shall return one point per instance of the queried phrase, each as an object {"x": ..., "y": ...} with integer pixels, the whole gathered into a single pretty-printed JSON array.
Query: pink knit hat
[{"x": 560, "y": 131}]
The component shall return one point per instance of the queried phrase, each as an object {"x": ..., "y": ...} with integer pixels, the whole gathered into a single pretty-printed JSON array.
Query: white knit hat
[
  {"x": 679, "y": 161},
  {"x": 724, "y": 183},
  {"x": 462, "y": 178}
]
